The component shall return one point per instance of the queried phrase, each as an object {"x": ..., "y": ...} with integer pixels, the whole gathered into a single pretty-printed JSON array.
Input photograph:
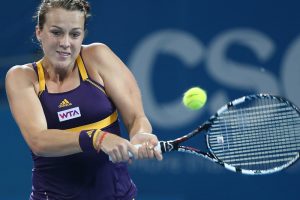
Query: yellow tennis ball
[{"x": 194, "y": 98}]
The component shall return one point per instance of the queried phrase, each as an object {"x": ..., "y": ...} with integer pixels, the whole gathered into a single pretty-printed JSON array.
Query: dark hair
[{"x": 72, "y": 5}]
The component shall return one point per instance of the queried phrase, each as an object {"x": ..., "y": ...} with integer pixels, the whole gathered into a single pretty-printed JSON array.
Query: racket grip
[
  {"x": 156, "y": 148},
  {"x": 137, "y": 146}
]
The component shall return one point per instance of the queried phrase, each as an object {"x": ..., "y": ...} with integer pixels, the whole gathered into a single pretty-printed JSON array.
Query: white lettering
[
  {"x": 172, "y": 42},
  {"x": 242, "y": 75},
  {"x": 223, "y": 69},
  {"x": 290, "y": 72}
]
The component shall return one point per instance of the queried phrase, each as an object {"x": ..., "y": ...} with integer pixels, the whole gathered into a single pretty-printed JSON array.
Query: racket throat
[{"x": 168, "y": 146}]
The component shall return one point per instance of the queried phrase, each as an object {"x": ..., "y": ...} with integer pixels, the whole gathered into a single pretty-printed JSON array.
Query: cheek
[
  {"x": 49, "y": 44},
  {"x": 49, "y": 50},
  {"x": 77, "y": 46}
]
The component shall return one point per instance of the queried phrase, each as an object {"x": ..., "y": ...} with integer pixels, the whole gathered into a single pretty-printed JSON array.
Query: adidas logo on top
[{"x": 64, "y": 103}]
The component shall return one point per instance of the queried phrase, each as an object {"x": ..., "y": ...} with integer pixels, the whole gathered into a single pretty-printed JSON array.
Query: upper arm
[
  {"x": 120, "y": 84},
  {"x": 24, "y": 103}
]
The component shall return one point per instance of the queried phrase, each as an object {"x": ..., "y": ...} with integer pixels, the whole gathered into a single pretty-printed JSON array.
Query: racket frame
[{"x": 173, "y": 145}]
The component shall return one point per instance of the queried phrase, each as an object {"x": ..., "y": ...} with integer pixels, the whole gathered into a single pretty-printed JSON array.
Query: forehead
[{"x": 62, "y": 17}]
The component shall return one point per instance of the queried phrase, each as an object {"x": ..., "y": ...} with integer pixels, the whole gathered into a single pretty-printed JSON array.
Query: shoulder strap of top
[
  {"x": 81, "y": 68},
  {"x": 41, "y": 76}
]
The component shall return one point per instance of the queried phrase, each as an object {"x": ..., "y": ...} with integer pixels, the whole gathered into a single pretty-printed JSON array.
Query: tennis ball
[{"x": 194, "y": 98}]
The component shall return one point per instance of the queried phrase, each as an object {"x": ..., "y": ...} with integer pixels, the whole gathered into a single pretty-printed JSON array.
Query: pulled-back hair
[{"x": 71, "y": 5}]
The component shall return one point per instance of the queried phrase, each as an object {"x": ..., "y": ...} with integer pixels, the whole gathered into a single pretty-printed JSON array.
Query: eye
[
  {"x": 56, "y": 33},
  {"x": 75, "y": 34}
]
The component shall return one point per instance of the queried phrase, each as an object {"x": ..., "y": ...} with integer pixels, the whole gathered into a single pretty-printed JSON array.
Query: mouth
[{"x": 63, "y": 54}]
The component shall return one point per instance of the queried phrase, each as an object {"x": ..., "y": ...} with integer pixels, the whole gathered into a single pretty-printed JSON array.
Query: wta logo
[{"x": 69, "y": 114}]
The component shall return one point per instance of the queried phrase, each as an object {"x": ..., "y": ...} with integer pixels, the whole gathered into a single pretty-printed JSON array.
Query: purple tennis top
[{"x": 81, "y": 176}]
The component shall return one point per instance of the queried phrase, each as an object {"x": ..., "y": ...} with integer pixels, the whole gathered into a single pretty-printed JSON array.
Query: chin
[
  {"x": 60, "y": 66},
  {"x": 63, "y": 62}
]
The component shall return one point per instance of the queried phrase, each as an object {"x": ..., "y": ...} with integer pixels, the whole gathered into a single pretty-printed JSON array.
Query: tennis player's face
[{"x": 62, "y": 37}]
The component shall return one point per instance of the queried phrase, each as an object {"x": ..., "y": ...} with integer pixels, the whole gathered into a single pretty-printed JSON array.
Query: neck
[{"x": 57, "y": 73}]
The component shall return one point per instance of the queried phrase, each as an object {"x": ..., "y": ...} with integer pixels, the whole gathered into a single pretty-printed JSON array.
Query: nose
[{"x": 65, "y": 42}]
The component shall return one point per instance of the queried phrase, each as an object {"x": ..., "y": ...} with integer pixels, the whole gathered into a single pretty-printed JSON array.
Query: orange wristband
[{"x": 101, "y": 140}]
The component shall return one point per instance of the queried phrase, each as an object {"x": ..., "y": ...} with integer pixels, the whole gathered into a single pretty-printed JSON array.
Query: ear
[{"x": 38, "y": 33}]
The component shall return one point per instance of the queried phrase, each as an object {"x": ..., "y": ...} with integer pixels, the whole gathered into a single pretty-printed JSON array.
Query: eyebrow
[{"x": 54, "y": 26}]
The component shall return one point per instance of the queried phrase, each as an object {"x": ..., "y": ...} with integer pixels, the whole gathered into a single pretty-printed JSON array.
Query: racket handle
[
  {"x": 156, "y": 148},
  {"x": 137, "y": 146}
]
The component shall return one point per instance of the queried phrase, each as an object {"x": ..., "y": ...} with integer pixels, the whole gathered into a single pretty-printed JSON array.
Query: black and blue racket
[{"x": 256, "y": 134}]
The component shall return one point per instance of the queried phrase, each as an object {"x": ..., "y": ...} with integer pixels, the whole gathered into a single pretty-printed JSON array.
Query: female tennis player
[{"x": 67, "y": 107}]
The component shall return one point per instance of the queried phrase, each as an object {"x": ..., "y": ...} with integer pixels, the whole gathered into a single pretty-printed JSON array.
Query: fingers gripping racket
[{"x": 256, "y": 134}]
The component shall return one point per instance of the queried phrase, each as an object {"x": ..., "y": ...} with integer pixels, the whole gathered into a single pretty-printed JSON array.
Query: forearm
[
  {"x": 139, "y": 125},
  {"x": 55, "y": 143}
]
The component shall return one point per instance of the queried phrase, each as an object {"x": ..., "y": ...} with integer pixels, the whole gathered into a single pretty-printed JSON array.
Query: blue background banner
[{"x": 229, "y": 48}]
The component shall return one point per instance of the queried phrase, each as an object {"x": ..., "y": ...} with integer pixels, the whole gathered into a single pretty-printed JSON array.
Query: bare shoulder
[
  {"x": 93, "y": 56},
  {"x": 96, "y": 51},
  {"x": 97, "y": 46},
  {"x": 101, "y": 60},
  {"x": 20, "y": 75}
]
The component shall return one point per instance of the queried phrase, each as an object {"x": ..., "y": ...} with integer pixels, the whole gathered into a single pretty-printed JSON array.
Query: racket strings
[
  {"x": 248, "y": 133},
  {"x": 261, "y": 136},
  {"x": 269, "y": 153},
  {"x": 267, "y": 146},
  {"x": 253, "y": 118}
]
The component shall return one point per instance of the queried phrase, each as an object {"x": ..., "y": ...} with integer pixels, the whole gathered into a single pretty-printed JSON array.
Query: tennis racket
[{"x": 256, "y": 134}]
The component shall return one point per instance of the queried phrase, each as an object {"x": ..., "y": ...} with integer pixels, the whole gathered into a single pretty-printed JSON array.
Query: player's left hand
[{"x": 147, "y": 150}]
